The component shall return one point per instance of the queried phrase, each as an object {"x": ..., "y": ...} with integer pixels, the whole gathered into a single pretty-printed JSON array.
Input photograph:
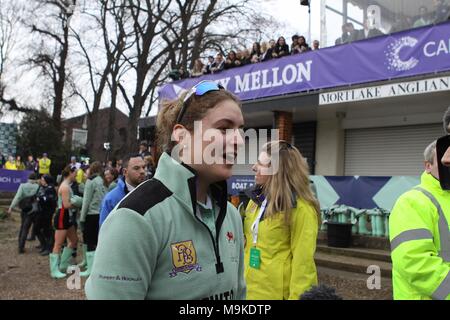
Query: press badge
[{"x": 255, "y": 258}]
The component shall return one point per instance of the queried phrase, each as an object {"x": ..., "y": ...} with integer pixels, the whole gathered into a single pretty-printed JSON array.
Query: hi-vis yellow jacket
[
  {"x": 420, "y": 242},
  {"x": 287, "y": 254},
  {"x": 44, "y": 166}
]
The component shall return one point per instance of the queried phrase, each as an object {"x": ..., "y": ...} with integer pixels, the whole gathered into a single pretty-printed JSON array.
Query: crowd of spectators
[
  {"x": 424, "y": 17},
  {"x": 39, "y": 165},
  {"x": 259, "y": 52}
]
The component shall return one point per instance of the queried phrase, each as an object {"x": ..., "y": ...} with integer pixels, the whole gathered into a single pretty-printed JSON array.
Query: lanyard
[{"x": 255, "y": 225}]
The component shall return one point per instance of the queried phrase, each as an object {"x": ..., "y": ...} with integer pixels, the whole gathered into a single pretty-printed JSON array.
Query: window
[{"x": 79, "y": 138}]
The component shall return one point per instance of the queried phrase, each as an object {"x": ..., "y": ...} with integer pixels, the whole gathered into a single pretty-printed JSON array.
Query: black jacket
[
  {"x": 282, "y": 50},
  {"x": 47, "y": 198}
]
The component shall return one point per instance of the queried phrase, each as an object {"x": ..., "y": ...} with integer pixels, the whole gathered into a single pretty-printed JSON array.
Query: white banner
[{"x": 386, "y": 91}]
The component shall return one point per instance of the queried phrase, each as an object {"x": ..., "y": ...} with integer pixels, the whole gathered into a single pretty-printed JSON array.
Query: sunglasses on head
[
  {"x": 199, "y": 89},
  {"x": 286, "y": 144}
]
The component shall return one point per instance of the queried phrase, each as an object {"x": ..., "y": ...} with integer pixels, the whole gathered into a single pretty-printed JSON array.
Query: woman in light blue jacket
[{"x": 95, "y": 189}]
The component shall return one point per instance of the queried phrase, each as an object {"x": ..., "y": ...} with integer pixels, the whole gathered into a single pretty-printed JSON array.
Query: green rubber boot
[
  {"x": 90, "y": 261},
  {"x": 54, "y": 267},
  {"x": 83, "y": 263},
  {"x": 66, "y": 256}
]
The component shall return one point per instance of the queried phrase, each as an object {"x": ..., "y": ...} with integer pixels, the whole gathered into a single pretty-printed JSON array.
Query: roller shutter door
[
  {"x": 304, "y": 138},
  {"x": 390, "y": 151}
]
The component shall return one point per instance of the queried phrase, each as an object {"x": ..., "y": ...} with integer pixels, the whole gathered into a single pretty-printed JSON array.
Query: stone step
[
  {"x": 7, "y": 194},
  {"x": 360, "y": 241},
  {"x": 363, "y": 253},
  {"x": 351, "y": 264},
  {"x": 5, "y": 202}
]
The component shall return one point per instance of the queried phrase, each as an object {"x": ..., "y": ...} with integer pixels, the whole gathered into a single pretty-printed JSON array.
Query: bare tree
[
  {"x": 111, "y": 15},
  {"x": 214, "y": 25},
  {"x": 147, "y": 59},
  {"x": 175, "y": 33},
  {"x": 9, "y": 24},
  {"x": 51, "y": 54},
  {"x": 196, "y": 27}
]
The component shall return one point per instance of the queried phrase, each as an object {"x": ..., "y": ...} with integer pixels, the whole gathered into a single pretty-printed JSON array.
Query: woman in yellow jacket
[
  {"x": 10, "y": 164},
  {"x": 280, "y": 225}
]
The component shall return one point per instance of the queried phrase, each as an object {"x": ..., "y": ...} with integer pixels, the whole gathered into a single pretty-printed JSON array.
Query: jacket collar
[
  {"x": 255, "y": 194},
  {"x": 432, "y": 184},
  {"x": 122, "y": 185}
]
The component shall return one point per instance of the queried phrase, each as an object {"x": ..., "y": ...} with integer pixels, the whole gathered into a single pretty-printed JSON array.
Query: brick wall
[
  {"x": 283, "y": 122},
  {"x": 101, "y": 134}
]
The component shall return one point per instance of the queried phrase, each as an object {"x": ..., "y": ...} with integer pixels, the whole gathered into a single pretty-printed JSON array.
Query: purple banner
[
  {"x": 413, "y": 52},
  {"x": 238, "y": 184},
  {"x": 11, "y": 179}
]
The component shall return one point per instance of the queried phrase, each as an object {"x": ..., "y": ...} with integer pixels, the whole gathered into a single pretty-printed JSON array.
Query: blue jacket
[{"x": 112, "y": 198}]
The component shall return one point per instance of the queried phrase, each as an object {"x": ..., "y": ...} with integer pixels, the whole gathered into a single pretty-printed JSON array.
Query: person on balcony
[
  {"x": 316, "y": 45},
  {"x": 367, "y": 32},
  {"x": 270, "y": 53},
  {"x": 208, "y": 66},
  {"x": 281, "y": 48},
  {"x": 295, "y": 48},
  {"x": 244, "y": 57},
  {"x": 256, "y": 53},
  {"x": 303, "y": 45},
  {"x": 232, "y": 60},
  {"x": 218, "y": 65},
  {"x": 198, "y": 68},
  {"x": 423, "y": 19},
  {"x": 349, "y": 34},
  {"x": 442, "y": 11}
]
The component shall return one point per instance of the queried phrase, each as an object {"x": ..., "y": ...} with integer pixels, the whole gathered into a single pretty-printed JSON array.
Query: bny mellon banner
[{"x": 409, "y": 53}]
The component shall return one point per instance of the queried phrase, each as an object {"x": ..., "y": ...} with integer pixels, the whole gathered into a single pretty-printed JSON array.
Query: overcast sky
[{"x": 295, "y": 17}]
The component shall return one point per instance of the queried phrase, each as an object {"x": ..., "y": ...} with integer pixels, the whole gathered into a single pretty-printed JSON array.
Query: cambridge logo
[
  {"x": 394, "y": 62},
  {"x": 184, "y": 258}
]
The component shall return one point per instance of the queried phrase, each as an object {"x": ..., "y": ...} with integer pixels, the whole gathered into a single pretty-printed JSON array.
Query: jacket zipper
[{"x": 219, "y": 264}]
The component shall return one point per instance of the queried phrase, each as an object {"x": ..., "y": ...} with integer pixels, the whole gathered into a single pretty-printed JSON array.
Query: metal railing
[{"x": 369, "y": 222}]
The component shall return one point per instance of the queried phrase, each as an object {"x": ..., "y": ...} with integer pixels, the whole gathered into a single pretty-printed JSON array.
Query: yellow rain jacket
[
  {"x": 10, "y": 165},
  {"x": 287, "y": 266},
  {"x": 420, "y": 242},
  {"x": 44, "y": 166},
  {"x": 80, "y": 177}
]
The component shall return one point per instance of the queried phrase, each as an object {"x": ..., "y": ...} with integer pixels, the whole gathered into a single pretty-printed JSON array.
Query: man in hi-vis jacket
[{"x": 420, "y": 237}]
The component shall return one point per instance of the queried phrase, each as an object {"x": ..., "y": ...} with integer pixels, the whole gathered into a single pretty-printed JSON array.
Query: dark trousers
[
  {"x": 33, "y": 232},
  {"x": 90, "y": 232},
  {"x": 27, "y": 221},
  {"x": 44, "y": 233}
]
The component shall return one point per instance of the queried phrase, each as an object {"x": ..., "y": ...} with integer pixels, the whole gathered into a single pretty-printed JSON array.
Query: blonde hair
[
  {"x": 150, "y": 161},
  {"x": 263, "y": 47},
  {"x": 289, "y": 183},
  {"x": 196, "y": 110}
]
